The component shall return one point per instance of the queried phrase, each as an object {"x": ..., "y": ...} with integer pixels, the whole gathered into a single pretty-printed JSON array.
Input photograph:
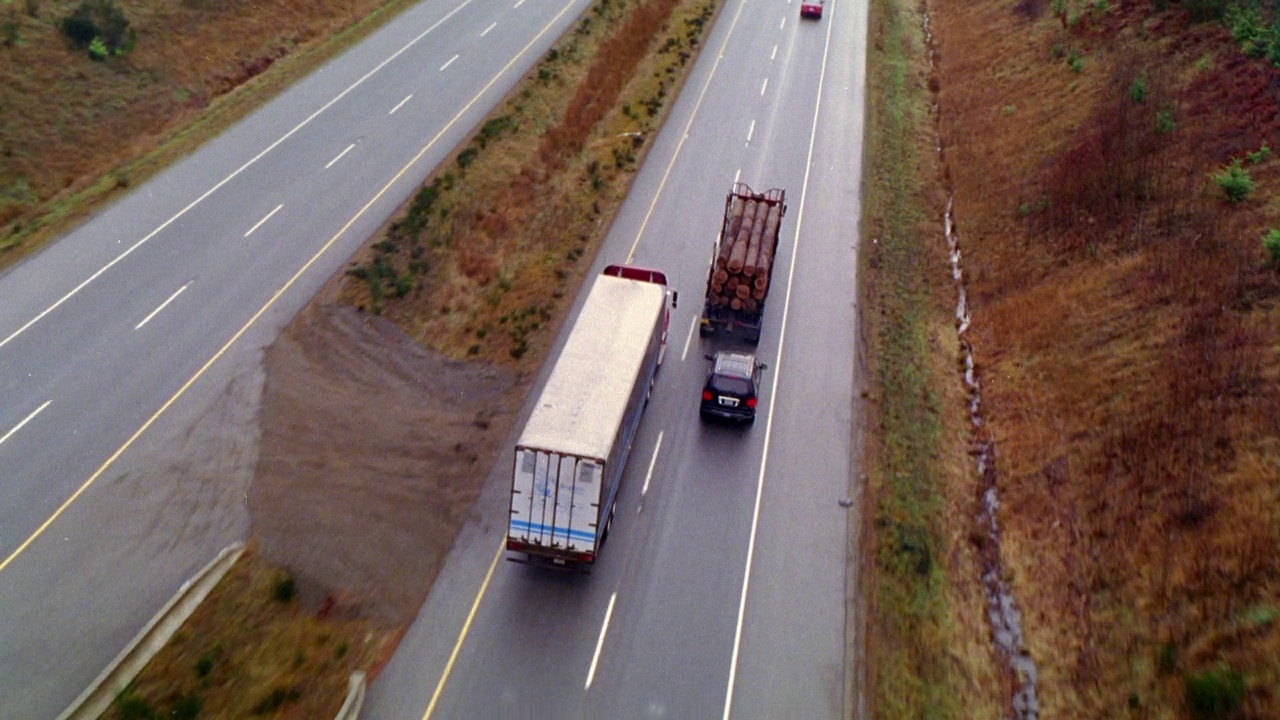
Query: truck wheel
[{"x": 608, "y": 525}]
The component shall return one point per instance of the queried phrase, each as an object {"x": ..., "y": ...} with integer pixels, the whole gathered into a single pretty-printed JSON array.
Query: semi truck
[
  {"x": 742, "y": 262},
  {"x": 570, "y": 455}
]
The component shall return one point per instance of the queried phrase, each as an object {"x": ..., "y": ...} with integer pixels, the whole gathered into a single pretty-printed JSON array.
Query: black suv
[{"x": 731, "y": 387}]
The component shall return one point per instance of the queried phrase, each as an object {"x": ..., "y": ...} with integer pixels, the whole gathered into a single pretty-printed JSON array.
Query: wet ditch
[{"x": 1003, "y": 613}]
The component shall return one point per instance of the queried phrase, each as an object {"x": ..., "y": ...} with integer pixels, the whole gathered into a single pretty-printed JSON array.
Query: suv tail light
[
  {"x": 706, "y": 396},
  {"x": 751, "y": 402}
]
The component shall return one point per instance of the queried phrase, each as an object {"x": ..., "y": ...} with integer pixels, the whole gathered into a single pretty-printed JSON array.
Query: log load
[{"x": 743, "y": 262}]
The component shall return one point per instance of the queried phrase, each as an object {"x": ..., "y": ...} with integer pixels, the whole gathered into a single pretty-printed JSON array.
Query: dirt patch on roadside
[{"x": 373, "y": 449}]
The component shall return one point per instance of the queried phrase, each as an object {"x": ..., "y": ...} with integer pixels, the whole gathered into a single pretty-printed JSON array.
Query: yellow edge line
[
  {"x": 276, "y": 296},
  {"x": 462, "y": 635}
]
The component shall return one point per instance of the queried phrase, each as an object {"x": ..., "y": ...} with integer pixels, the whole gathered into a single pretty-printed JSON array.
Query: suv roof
[{"x": 734, "y": 364}]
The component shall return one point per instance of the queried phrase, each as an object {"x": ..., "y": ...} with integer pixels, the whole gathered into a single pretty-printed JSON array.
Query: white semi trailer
[{"x": 569, "y": 459}]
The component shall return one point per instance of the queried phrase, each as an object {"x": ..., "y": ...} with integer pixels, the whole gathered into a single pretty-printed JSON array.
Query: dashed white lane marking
[
  {"x": 25, "y": 420},
  {"x": 652, "y": 461},
  {"x": 751, "y": 131},
  {"x": 486, "y": 30},
  {"x": 442, "y": 67},
  {"x": 591, "y": 674},
  {"x": 401, "y": 103},
  {"x": 263, "y": 220},
  {"x": 764, "y": 86},
  {"x": 155, "y": 312},
  {"x": 340, "y": 156},
  {"x": 689, "y": 338}
]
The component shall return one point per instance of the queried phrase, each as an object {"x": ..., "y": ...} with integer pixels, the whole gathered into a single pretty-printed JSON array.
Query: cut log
[
  {"x": 750, "y": 306},
  {"x": 721, "y": 276},
  {"x": 743, "y": 291},
  {"x": 761, "y": 283},
  {"x": 738, "y": 251},
  {"x": 757, "y": 237},
  {"x": 736, "y": 304}
]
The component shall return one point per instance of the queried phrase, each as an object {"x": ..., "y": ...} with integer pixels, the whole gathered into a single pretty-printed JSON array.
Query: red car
[{"x": 811, "y": 8}]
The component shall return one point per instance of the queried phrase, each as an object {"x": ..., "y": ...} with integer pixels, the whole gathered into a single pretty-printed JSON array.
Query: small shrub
[
  {"x": 276, "y": 699},
  {"x": 9, "y": 33},
  {"x": 1260, "y": 155},
  {"x": 100, "y": 20},
  {"x": 1271, "y": 243},
  {"x": 98, "y": 50},
  {"x": 1214, "y": 693},
  {"x": 1138, "y": 89},
  {"x": 284, "y": 590},
  {"x": 1167, "y": 658},
  {"x": 403, "y": 286},
  {"x": 79, "y": 29},
  {"x": 468, "y": 156},
  {"x": 1008, "y": 110},
  {"x": 1075, "y": 63},
  {"x": 186, "y": 707},
  {"x": 204, "y": 666},
  {"x": 1234, "y": 181},
  {"x": 1206, "y": 10},
  {"x": 1164, "y": 122},
  {"x": 134, "y": 707}
]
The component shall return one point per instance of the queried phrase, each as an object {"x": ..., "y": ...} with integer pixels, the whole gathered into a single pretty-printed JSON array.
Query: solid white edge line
[
  {"x": 25, "y": 420},
  {"x": 163, "y": 305},
  {"x": 685, "y": 135},
  {"x": 400, "y": 104},
  {"x": 652, "y": 461},
  {"x": 486, "y": 30},
  {"x": 773, "y": 391},
  {"x": 689, "y": 338},
  {"x": 230, "y": 177},
  {"x": 263, "y": 220},
  {"x": 442, "y": 67},
  {"x": 591, "y": 674},
  {"x": 340, "y": 156}
]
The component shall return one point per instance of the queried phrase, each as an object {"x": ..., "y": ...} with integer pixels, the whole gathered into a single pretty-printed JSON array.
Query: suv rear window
[{"x": 730, "y": 385}]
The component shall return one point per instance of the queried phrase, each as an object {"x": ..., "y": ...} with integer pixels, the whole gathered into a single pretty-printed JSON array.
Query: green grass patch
[{"x": 909, "y": 625}]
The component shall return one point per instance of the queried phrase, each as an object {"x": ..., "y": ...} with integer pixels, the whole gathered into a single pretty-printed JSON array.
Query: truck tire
[{"x": 608, "y": 525}]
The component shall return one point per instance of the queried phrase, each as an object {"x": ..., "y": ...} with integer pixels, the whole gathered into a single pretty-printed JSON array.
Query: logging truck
[
  {"x": 570, "y": 455},
  {"x": 742, "y": 263}
]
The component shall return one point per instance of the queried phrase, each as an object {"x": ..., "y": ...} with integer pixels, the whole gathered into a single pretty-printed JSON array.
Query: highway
[
  {"x": 722, "y": 588},
  {"x": 130, "y": 348}
]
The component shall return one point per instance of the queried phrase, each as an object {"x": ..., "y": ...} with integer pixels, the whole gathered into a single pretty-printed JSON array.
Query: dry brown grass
[
  {"x": 74, "y": 132},
  {"x": 248, "y": 651},
  {"x": 1127, "y": 329}
]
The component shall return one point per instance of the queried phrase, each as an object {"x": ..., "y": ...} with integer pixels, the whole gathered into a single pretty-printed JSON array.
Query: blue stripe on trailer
[{"x": 553, "y": 531}]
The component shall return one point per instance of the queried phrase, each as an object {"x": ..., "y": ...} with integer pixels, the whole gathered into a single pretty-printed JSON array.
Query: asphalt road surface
[
  {"x": 126, "y": 347},
  {"x": 722, "y": 589}
]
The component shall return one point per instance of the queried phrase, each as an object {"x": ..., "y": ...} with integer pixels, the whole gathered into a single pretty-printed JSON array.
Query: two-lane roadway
[{"x": 722, "y": 589}]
